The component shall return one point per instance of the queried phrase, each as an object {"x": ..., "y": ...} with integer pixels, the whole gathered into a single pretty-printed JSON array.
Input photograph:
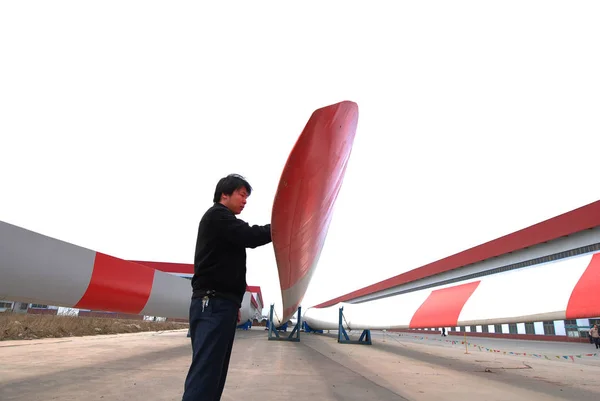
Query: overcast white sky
[{"x": 117, "y": 118}]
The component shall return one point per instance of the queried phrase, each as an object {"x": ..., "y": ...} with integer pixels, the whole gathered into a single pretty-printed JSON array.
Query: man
[
  {"x": 219, "y": 284},
  {"x": 595, "y": 335}
]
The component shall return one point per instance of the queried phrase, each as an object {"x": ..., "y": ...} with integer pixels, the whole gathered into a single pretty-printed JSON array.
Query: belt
[{"x": 201, "y": 293}]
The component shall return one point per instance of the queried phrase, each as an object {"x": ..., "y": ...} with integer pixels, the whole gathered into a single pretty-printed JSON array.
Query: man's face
[{"x": 236, "y": 201}]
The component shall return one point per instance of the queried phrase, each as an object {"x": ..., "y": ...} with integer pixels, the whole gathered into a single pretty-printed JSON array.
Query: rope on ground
[{"x": 482, "y": 348}]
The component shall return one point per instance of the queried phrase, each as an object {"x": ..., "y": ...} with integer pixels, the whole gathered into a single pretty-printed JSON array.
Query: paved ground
[{"x": 152, "y": 366}]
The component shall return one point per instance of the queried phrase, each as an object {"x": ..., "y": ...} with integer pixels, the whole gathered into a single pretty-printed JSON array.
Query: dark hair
[{"x": 227, "y": 185}]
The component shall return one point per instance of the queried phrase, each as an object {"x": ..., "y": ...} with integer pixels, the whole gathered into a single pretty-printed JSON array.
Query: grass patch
[{"x": 14, "y": 326}]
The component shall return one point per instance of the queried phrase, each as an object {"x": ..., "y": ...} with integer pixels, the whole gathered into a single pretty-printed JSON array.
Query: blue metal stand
[
  {"x": 365, "y": 337},
  {"x": 245, "y": 326},
  {"x": 308, "y": 329},
  {"x": 274, "y": 331}
]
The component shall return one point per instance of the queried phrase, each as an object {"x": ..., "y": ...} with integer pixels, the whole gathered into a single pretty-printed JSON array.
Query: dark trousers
[
  {"x": 212, "y": 331},
  {"x": 597, "y": 342}
]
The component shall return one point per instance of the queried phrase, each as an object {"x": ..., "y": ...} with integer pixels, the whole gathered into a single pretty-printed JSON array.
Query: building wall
[
  {"x": 6, "y": 306},
  {"x": 573, "y": 329}
]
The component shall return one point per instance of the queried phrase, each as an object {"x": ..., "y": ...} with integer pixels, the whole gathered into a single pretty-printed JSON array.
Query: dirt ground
[{"x": 30, "y": 327}]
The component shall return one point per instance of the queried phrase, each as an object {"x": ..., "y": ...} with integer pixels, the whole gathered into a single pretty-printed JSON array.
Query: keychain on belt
[{"x": 205, "y": 302}]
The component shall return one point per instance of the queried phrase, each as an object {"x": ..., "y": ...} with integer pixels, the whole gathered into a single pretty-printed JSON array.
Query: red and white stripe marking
[
  {"x": 564, "y": 289},
  {"x": 39, "y": 269}
]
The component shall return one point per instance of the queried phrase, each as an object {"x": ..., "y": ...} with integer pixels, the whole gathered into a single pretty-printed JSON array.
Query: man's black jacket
[{"x": 220, "y": 259}]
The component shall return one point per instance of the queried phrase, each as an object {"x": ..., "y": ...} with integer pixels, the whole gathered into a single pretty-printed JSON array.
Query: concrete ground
[{"x": 152, "y": 366}]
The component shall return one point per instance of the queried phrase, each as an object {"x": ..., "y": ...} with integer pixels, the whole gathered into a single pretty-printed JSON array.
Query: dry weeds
[{"x": 28, "y": 326}]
